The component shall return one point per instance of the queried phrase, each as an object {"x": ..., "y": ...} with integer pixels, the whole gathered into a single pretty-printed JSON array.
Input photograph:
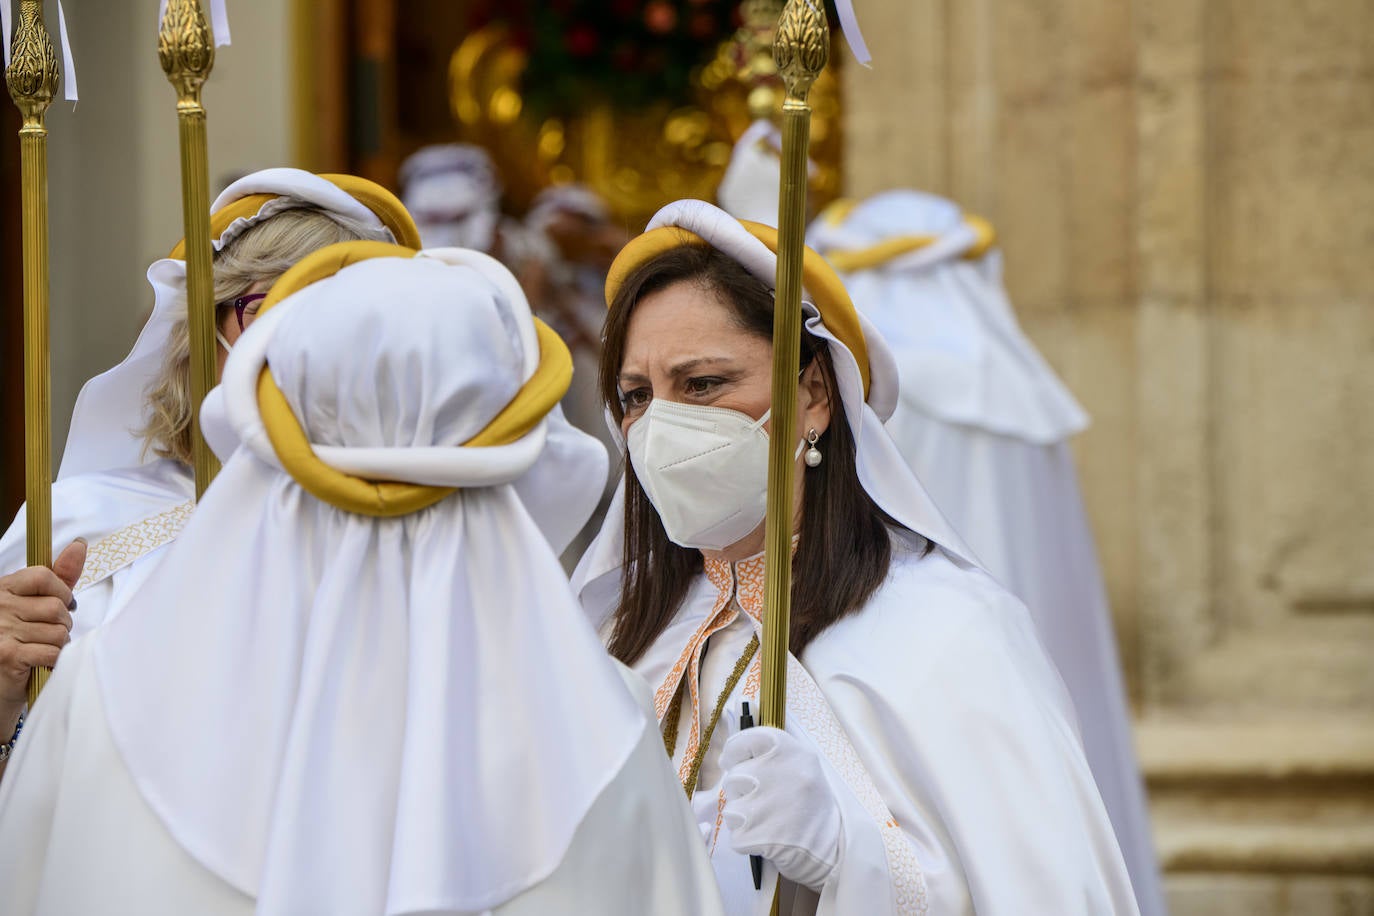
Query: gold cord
[{"x": 671, "y": 720}]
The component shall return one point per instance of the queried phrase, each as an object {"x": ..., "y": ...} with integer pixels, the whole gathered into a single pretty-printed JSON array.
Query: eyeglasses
[{"x": 241, "y": 303}]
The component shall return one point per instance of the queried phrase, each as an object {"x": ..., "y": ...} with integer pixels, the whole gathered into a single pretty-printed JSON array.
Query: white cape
[
  {"x": 984, "y": 422},
  {"x": 964, "y": 729},
  {"x": 76, "y": 810},
  {"x": 1019, "y": 504},
  {"x": 339, "y": 713}
]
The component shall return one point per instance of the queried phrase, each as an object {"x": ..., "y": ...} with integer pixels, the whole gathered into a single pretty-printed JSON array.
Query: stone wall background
[{"x": 1184, "y": 190}]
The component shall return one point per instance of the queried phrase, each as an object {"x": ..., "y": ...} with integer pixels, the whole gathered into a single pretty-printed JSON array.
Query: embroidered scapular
[{"x": 122, "y": 548}]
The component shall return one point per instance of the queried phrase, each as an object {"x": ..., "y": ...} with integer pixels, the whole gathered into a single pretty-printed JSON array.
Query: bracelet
[{"x": 7, "y": 749}]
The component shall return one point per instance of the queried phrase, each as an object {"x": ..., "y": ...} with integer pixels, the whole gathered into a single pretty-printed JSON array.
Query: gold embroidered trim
[{"x": 131, "y": 543}]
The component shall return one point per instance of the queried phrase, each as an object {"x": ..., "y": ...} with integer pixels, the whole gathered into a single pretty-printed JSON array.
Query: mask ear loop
[{"x": 223, "y": 341}]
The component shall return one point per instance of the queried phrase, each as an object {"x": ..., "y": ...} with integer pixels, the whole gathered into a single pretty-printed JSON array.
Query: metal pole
[
  {"x": 186, "y": 49},
  {"x": 32, "y": 79},
  {"x": 800, "y": 49}
]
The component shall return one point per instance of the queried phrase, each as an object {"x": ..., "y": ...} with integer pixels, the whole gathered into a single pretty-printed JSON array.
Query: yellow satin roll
[
  {"x": 386, "y": 498},
  {"x": 824, "y": 286}
]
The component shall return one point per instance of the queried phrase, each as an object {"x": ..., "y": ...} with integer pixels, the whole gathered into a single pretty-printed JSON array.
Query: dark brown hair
[{"x": 844, "y": 548}]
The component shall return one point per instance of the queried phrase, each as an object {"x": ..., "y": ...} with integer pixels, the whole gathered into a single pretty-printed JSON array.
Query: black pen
[{"x": 755, "y": 862}]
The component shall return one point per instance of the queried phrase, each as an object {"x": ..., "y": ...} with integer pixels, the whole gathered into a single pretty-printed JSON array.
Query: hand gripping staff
[
  {"x": 800, "y": 49},
  {"x": 32, "y": 79}
]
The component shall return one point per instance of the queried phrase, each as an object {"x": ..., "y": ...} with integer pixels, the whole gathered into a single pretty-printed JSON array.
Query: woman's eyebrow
[{"x": 691, "y": 365}]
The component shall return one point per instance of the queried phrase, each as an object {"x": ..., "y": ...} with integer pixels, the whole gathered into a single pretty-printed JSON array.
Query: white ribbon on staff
[
  {"x": 849, "y": 28},
  {"x": 68, "y": 66},
  {"x": 219, "y": 20}
]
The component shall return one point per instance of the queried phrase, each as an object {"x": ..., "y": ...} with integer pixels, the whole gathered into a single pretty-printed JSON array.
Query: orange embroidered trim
[{"x": 744, "y": 581}]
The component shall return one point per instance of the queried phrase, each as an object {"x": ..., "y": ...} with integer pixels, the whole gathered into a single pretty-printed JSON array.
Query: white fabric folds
[
  {"x": 963, "y": 357},
  {"x": 984, "y": 422},
  {"x": 346, "y": 718}
]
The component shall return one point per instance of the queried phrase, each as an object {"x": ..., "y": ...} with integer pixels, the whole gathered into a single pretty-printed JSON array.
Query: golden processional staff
[
  {"x": 186, "y": 49},
  {"x": 32, "y": 79},
  {"x": 800, "y": 49}
]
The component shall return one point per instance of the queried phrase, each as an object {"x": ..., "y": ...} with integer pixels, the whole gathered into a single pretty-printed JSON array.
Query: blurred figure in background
[
  {"x": 985, "y": 424},
  {"x": 453, "y": 192}
]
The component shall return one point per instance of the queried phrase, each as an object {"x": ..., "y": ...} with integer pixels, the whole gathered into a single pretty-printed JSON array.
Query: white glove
[
  {"x": 779, "y": 805},
  {"x": 704, "y": 807}
]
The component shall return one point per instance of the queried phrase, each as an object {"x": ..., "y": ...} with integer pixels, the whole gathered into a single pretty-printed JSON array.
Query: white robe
[
  {"x": 944, "y": 690},
  {"x": 127, "y": 517},
  {"x": 984, "y": 422},
  {"x": 70, "y": 807},
  {"x": 1019, "y": 506}
]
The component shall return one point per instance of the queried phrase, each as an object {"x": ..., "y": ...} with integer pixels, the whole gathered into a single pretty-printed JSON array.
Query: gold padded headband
[
  {"x": 850, "y": 260},
  {"x": 823, "y": 286},
  {"x": 387, "y": 207},
  {"x": 385, "y": 498}
]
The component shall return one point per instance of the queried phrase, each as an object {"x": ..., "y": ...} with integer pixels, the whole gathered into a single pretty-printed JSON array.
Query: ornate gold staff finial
[
  {"x": 186, "y": 49},
  {"x": 800, "y": 51},
  {"x": 801, "y": 48},
  {"x": 32, "y": 79}
]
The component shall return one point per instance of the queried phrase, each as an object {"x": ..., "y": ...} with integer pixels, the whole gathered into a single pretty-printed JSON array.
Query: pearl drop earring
[{"x": 813, "y": 455}]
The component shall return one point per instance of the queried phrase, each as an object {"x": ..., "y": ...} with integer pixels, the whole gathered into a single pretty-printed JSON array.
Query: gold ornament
[{"x": 638, "y": 161}]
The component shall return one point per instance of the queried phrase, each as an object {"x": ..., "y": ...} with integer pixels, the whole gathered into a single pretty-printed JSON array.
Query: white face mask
[
  {"x": 705, "y": 469},
  {"x": 223, "y": 341}
]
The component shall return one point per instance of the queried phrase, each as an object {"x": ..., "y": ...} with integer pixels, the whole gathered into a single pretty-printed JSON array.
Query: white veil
[{"x": 334, "y": 712}]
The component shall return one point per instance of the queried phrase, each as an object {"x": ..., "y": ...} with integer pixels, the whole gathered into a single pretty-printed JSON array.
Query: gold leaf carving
[
  {"x": 186, "y": 47},
  {"x": 32, "y": 74},
  {"x": 802, "y": 45}
]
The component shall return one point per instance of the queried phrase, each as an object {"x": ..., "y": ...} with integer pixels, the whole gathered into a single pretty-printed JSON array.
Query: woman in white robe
[
  {"x": 930, "y": 761},
  {"x": 984, "y": 422},
  {"x": 367, "y": 694},
  {"x": 125, "y": 484}
]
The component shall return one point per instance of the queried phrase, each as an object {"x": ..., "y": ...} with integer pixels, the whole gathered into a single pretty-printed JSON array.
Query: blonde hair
[{"x": 262, "y": 253}]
